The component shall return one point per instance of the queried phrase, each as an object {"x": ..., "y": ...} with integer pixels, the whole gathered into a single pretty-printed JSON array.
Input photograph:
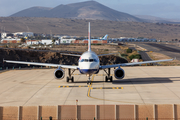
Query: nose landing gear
[{"x": 89, "y": 79}]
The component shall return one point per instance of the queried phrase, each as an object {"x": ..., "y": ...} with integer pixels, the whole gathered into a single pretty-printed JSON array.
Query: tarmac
[{"x": 141, "y": 85}]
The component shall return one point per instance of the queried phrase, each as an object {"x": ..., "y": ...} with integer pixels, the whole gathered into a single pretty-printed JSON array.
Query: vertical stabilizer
[
  {"x": 89, "y": 37},
  {"x": 105, "y": 37}
]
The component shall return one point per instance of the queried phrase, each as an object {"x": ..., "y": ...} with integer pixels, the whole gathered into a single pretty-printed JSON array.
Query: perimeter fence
[{"x": 91, "y": 112}]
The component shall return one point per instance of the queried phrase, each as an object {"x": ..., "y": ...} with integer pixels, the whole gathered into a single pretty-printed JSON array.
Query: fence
[{"x": 91, "y": 112}]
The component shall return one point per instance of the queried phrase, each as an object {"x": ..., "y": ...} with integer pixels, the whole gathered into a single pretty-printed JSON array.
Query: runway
[
  {"x": 141, "y": 85},
  {"x": 166, "y": 49}
]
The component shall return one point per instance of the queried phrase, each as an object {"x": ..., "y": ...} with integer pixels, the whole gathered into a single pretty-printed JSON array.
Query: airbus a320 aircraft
[{"x": 88, "y": 64}]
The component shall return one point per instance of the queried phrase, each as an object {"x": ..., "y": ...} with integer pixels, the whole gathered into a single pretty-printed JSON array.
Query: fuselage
[{"x": 89, "y": 63}]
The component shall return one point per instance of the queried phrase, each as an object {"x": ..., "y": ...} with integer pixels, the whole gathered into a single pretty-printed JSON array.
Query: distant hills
[
  {"x": 82, "y": 10},
  {"x": 153, "y": 19},
  {"x": 79, "y": 27}
]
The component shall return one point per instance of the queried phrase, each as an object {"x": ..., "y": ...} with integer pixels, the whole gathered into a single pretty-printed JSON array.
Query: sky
[{"x": 159, "y": 8}]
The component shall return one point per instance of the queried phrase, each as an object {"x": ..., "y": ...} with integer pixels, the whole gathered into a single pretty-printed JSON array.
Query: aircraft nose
[{"x": 92, "y": 66}]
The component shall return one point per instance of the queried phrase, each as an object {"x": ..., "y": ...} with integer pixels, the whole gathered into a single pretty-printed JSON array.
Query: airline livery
[{"x": 88, "y": 64}]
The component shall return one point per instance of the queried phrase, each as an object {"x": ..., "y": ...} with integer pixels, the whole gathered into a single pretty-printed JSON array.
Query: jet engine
[
  {"x": 59, "y": 73},
  {"x": 119, "y": 73}
]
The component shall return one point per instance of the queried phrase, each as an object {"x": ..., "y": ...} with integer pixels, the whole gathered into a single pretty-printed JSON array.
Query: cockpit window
[
  {"x": 91, "y": 60},
  {"x": 82, "y": 60},
  {"x": 88, "y": 60},
  {"x": 95, "y": 60}
]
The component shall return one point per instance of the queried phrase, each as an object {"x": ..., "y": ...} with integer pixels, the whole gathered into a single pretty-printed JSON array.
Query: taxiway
[{"x": 141, "y": 85}]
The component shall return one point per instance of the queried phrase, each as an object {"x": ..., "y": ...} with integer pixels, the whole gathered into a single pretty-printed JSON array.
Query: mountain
[
  {"x": 154, "y": 19},
  {"x": 82, "y": 10},
  {"x": 32, "y": 12}
]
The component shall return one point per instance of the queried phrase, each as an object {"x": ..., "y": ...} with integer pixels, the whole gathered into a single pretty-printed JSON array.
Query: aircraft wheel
[
  {"x": 106, "y": 79},
  {"x": 72, "y": 79},
  {"x": 111, "y": 78},
  {"x": 67, "y": 79},
  {"x": 87, "y": 82}
]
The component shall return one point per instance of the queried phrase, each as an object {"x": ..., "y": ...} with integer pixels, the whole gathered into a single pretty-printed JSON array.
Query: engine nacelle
[
  {"x": 59, "y": 73},
  {"x": 119, "y": 73}
]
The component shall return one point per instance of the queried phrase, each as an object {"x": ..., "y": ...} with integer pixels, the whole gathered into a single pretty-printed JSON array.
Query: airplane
[
  {"x": 88, "y": 64},
  {"x": 104, "y": 38}
]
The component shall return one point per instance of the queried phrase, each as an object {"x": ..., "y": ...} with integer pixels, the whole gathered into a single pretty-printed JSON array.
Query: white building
[
  {"x": 29, "y": 34},
  {"x": 32, "y": 42},
  {"x": 46, "y": 42},
  {"x": 3, "y": 35},
  {"x": 65, "y": 39}
]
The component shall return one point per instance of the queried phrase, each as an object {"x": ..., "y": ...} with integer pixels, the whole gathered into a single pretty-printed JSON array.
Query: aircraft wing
[
  {"x": 135, "y": 63},
  {"x": 70, "y": 54},
  {"x": 42, "y": 64}
]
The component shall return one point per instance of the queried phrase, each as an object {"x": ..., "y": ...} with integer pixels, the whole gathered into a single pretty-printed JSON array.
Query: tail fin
[
  {"x": 89, "y": 38},
  {"x": 105, "y": 37}
]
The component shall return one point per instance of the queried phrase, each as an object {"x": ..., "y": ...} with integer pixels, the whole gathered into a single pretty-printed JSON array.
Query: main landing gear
[
  {"x": 70, "y": 77},
  {"x": 108, "y": 77}
]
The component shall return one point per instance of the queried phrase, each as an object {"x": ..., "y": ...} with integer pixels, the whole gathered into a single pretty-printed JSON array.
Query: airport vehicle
[{"x": 88, "y": 64}]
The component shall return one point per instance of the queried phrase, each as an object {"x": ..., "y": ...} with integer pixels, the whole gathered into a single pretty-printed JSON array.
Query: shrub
[
  {"x": 124, "y": 55},
  {"x": 129, "y": 50},
  {"x": 137, "y": 56}
]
